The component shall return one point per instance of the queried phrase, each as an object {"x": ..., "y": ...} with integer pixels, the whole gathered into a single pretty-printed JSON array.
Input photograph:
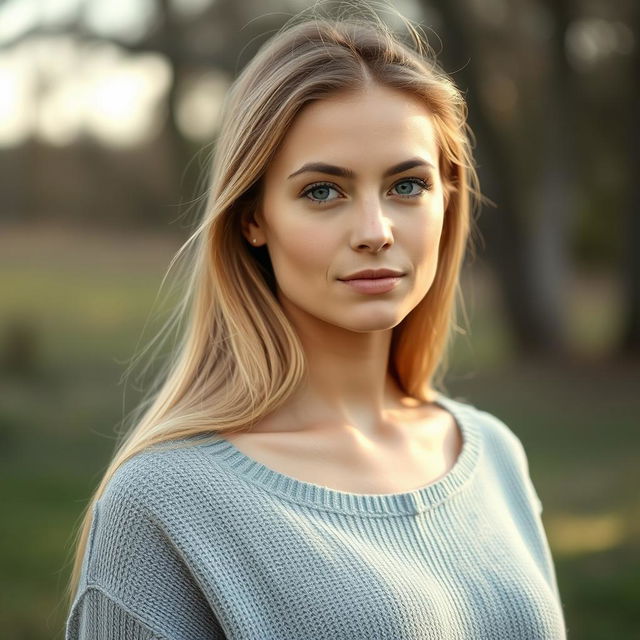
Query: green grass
[{"x": 86, "y": 299}]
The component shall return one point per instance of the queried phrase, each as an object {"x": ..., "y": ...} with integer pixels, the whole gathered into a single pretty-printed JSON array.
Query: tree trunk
[
  {"x": 630, "y": 342},
  {"x": 532, "y": 293}
]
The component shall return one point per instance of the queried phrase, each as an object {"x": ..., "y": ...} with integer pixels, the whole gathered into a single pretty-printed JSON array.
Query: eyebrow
[{"x": 322, "y": 167}]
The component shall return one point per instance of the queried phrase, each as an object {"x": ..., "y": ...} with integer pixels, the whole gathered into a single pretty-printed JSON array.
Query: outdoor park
[{"x": 98, "y": 194}]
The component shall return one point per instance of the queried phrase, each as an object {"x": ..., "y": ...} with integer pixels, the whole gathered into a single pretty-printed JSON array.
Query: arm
[
  {"x": 135, "y": 583},
  {"x": 96, "y": 615}
]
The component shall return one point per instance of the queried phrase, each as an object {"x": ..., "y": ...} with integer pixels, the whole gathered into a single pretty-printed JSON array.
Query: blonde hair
[{"x": 238, "y": 357}]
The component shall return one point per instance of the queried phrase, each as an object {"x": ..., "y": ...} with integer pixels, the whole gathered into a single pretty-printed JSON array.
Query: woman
[{"x": 297, "y": 474}]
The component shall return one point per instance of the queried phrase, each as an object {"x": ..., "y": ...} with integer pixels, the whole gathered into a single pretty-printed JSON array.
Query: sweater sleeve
[
  {"x": 542, "y": 541},
  {"x": 135, "y": 582},
  {"x": 97, "y": 616}
]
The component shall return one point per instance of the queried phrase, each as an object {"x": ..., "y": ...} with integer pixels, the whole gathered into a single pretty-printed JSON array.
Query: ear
[{"x": 251, "y": 228}]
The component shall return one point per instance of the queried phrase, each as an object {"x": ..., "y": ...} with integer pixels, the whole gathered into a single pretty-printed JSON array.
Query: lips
[
  {"x": 373, "y": 274},
  {"x": 373, "y": 285}
]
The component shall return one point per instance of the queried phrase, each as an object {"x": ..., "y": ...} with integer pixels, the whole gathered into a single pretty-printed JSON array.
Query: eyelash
[{"x": 425, "y": 186}]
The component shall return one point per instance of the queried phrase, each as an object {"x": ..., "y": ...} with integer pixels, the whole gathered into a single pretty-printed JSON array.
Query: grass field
[{"x": 72, "y": 311}]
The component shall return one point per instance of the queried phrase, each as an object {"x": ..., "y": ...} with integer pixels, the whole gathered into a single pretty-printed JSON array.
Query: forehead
[{"x": 375, "y": 128}]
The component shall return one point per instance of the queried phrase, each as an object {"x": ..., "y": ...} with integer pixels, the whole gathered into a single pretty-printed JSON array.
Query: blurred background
[{"x": 108, "y": 116}]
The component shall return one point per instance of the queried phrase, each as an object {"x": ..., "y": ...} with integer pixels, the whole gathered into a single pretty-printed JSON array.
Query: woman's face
[{"x": 378, "y": 203}]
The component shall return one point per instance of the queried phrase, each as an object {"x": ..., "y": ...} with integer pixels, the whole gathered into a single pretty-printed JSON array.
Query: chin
[{"x": 373, "y": 322}]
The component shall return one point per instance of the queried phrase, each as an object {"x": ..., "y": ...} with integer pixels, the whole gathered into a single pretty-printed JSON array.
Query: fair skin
[{"x": 350, "y": 419}]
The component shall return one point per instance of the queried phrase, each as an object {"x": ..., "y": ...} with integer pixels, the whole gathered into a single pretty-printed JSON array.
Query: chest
[
  {"x": 394, "y": 466},
  {"x": 289, "y": 572}
]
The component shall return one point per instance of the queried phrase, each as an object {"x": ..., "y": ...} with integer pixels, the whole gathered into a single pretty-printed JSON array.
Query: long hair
[{"x": 238, "y": 357}]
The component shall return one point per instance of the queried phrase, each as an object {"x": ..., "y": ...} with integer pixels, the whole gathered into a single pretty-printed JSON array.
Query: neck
[{"x": 348, "y": 385}]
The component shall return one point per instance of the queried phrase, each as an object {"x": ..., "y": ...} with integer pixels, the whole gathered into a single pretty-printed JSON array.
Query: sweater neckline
[{"x": 373, "y": 504}]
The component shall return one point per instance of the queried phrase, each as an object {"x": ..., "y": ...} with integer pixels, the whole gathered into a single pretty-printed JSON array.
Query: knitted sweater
[{"x": 204, "y": 542}]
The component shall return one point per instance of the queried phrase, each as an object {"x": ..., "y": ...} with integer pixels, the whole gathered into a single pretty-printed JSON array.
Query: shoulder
[
  {"x": 499, "y": 442},
  {"x": 158, "y": 474},
  {"x": 496, "y": 434},
  {"x": 129, "y": 530},
  {"x": 145, "y": 475},
  {"x": 135, "y": 546},
  {"x": 502, "y": 447},
  {"x": 144, "y": 483},
  {"x": 169, "y": 481}
]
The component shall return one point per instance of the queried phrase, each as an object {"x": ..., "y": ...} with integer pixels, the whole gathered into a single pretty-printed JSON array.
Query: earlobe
[
  {"x": 251, "y": 231},
  {"x": 247, "y": 222},
  {"x": 251, "y": 237}
]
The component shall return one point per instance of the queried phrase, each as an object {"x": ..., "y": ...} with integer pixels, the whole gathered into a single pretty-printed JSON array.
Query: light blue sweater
[{"x": 205, "y": 542}]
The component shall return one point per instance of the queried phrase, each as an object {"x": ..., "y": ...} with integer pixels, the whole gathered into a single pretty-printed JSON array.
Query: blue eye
[
  {"x": 323, "y": 188},
  {"x": 413, "y": 181}
]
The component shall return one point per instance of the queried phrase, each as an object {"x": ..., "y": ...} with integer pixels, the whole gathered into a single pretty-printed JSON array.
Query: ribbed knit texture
[{"x": 207, "y": 543}]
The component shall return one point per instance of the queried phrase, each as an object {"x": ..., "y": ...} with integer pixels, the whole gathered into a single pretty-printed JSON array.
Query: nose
[{"x": 371, "y": 227}]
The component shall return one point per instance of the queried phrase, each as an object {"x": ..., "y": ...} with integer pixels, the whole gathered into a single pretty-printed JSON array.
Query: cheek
[
  {"x": 309, "y": 251},
  {"x": 425, "y": 243},
  {"x": 429, "y": 229},
  {"x": 302, "y": 250}
]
